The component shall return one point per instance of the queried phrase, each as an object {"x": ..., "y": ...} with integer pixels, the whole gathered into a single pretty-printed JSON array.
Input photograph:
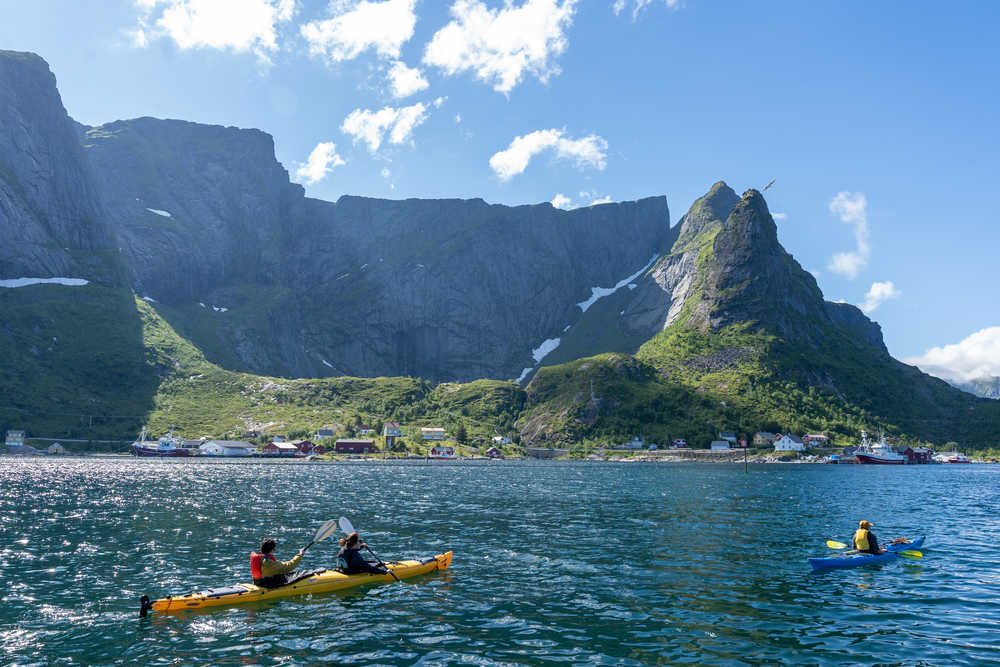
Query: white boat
[
  {"x": 877, "y": 453},
  {"x": 168, "y": 445}
]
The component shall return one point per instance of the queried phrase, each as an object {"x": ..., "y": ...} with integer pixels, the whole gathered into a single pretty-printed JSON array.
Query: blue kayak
[{"x": 855, "y": 560}]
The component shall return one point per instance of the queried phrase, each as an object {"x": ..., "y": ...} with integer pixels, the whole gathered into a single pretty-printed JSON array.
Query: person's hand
[{"x": 302, "y": 551}]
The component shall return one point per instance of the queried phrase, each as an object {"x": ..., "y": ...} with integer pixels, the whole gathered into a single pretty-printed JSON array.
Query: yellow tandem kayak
[{"x": 321, "y": 581}]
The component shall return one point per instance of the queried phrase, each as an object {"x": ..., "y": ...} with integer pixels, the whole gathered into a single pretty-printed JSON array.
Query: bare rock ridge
[
  {"x": 203, "y": 221},
  {"x": 51, "y": 219}
]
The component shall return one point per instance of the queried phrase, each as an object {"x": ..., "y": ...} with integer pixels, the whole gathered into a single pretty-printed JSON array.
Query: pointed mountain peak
[{"x": 709, "y": 210}]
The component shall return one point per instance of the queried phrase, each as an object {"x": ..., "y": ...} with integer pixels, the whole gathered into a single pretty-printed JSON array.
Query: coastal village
[{"x": 391, "y": 440}]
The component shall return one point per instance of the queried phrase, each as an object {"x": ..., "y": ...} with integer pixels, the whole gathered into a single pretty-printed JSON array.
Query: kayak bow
[
  {"x": 856, "y": 559},
  {"x": 320, "y": 581}
]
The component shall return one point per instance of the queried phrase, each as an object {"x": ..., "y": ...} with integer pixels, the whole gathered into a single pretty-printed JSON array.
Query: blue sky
[{"x": 878, "y": 120}]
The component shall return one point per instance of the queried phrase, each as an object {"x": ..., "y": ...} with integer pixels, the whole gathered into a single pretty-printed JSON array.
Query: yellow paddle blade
[
  {"x": 835, "y": 545},
  {"x": 911, "y": 553}
]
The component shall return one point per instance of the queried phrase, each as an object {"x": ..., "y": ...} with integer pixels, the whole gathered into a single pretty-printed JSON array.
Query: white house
[
  {"x": 501, "y": 440},
  {"x": 56, "y": 448},
  {"x": 323, "y": 433},
  {"x": 720, "y": 444},
  {"x": 433, "y": 433},
  {"x": 226, "y": 448},
  {"x": 789, "y": 443}
]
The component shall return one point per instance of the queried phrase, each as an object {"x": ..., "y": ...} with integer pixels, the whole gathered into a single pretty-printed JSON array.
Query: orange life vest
[{"x": 255, "y": 564}]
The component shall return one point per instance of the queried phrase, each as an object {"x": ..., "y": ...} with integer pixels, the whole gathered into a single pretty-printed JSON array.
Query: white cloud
[
  {"x": 385, "y": 172},
  {"x": 877, "y": 294},
  {"x": 372, "y": 127},
  {"x": 237, "y": 25},
  {"x": 355, "y": 26},
  {"x": 619, "y": 5},
  {"x": 780, "y": 216},
  {"x": 606, "y": 199},
  {"x": 852, "y": 208},
  {"x": 405, "y": 81},
  {"x": 501, "y": 45},
  {"x": 977, "y": 357},
  {"x": 561, "y": 201},
  {"x": 588, "y": 151},
  {"x": 458, "y": 118},
  {"x": 322, "y": 159}
]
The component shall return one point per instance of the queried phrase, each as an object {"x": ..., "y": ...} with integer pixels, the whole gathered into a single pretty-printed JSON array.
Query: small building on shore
[
  {"x": 816, "y": 440},
  {"x": 442, "y": 452},
  {"x": 324, "y": 433},
  {"x": 494, "y": 453},
  {"x": 719, "y": 444},
  {"x": 433, "y": 433},
  {"x": 354, "y": 446},
  {"x": 789, "y": 443},
  {"x": 765, "y": 439},
  {"x": 728, "y": 436},
  {"x": 280, "y": 449},
  {"x": 635, "y": 443},
  {"x": 14, "y": 439},
  {"x": 56, "y": 449},
  {"x": 226, "y": 448}
]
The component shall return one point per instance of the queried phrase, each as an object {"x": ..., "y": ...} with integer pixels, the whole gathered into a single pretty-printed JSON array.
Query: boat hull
[
  {"x": 138, "y": 450},
  {"x": 321, "y": 582},
  {"x": 875, "y": 460},
  {"x": 857, "y": 560}
]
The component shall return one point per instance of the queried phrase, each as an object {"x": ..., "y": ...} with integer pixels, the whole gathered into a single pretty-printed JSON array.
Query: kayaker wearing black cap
[
  {"x": 864, "y": 539},
  {"x": 267, "y": 570},
  {"x": 350, "y": 560}
]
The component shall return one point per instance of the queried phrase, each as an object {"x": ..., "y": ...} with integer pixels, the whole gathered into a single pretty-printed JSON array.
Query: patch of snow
[
  {"x": 363, "y": 267},
  {"x": 621, "y": 313},
  {"x": 326, "y": 363},
  {"x": 547, "y": 346},
  {"x": 219, "y": 309},
  {"x": 632, "y": 285},
  {"x": 160, "y": 212},
  {"x": 524, "y": 374},
  {"x": 342, "y": 277},
  {"x": 24, "y": 282},
  {"x": 598, "y": 292},
  {"x": 568, "y": 327},
  {"x": 149, "y": 299},
  {"x": 202, "y": 305}
]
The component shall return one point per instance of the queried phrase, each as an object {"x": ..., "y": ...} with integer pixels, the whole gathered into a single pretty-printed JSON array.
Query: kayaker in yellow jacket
[
  {"x": 864, "y": 539},
  {"x": 267, "y": 570}
]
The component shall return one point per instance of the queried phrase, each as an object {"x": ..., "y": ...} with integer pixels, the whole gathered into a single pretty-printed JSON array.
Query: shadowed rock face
[
  {"x": 441, "y": 289},
  {"x": 51, "y": 220}
]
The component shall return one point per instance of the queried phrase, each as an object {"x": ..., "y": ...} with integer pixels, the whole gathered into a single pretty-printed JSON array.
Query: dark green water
[{"x": 577, "y": 563}]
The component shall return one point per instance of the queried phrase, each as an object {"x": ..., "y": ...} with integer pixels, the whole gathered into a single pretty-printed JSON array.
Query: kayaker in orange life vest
[
  {"x": 267, "y": 570},
  {"x": 864, "y": 539}
]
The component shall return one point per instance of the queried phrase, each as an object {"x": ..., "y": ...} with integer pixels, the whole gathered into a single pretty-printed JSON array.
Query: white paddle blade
[
  {"x": 325, "y": 531},
  {"x": 345, "y": 525}
]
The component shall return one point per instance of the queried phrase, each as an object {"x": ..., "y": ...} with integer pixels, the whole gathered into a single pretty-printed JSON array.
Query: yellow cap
[{"x": 865, "y": 524}]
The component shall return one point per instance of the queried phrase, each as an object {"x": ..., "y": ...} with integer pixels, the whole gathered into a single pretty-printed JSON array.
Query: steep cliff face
[
  {"x": 51, "y": 220},
  {"x": 441, "y": 289}
]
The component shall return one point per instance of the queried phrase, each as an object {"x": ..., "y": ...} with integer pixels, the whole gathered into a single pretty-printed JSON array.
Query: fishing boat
[
  {"x": 166, "y": 446},
  {"x": 877, "y": 453},
  {"x": 959, "y": 458}
]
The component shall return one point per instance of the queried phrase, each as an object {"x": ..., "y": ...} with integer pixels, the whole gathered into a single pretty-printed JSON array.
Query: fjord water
[{"x": 558, "y": 562}]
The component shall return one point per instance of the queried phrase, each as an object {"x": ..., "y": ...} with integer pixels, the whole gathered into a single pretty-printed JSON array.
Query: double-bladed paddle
[
  {"x": 345, "y": 525},
  {"x": 325, "y": 531},
  {"x": 909, "y": 553}
]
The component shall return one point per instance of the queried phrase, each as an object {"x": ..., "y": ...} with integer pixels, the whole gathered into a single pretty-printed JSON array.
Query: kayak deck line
[
  {"x": 318, "y": 581},
  {"x": 859, "y": 559}
]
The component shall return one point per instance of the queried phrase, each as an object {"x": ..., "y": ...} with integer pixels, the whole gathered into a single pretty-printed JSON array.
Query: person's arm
[
  {"x": 270, "y": 567},
  {"x": 873, "y": 543},
  {"x": 359, "y": 564}
]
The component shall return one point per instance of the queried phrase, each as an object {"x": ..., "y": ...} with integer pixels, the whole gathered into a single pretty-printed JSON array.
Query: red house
[
  {"x": 918, "y": 455},
  {"x": 354, "y": 446},
  {"x": 280, "y": 449},
  {"x": 307, "y": 447}
]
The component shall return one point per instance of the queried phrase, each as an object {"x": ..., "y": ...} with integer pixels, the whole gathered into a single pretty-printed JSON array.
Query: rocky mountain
[
  {"x": 269, "y": 281},
  {"x": 984, "y": 387},
  {"x": 209, "y": 269},
  {"x": 52, "y": 223},
  {"x": 739, "y": 337}
]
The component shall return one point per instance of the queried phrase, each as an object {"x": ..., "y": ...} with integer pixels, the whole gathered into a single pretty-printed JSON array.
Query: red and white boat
[
  {"x": 878, "y": 453},
  {"x": 959, "y": 458},
  {"x": 168, "y": 445}
]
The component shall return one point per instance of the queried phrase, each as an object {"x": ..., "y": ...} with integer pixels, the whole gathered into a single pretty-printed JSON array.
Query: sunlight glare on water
[{"x": 565, "y": 562}]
